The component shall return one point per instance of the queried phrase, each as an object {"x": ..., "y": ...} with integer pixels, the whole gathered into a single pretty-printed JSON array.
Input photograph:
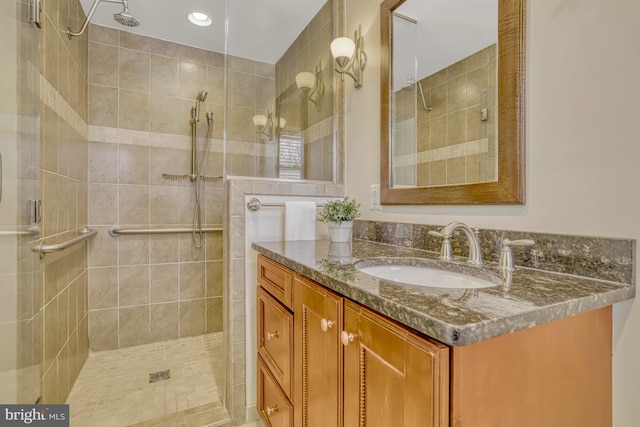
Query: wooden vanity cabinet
[{"x": 354, "y": 367}]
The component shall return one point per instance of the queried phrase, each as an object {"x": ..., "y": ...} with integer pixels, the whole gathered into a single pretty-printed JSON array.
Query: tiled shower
[{"x": 101, "y": 118}]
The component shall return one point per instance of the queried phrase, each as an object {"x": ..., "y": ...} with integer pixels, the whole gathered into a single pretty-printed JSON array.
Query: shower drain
[{"x": 159, "y": 376}]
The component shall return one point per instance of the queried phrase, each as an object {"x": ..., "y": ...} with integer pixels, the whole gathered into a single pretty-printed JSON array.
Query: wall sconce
[
  {"x": 312, "y": 82},
  {"x": 350, "y": 56},
  {"x": 264, "y": 124},
  {"x": 280, "y": 123}
]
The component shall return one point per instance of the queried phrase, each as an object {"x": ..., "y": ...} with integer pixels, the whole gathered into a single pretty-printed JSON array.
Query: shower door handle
[{"x": 35, "y": 9}]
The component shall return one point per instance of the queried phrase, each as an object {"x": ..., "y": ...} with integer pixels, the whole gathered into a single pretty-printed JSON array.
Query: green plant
[{"x": 340, "y": 210}]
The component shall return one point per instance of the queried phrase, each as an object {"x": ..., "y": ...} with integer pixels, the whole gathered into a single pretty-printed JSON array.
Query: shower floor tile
[{"x": 113, "y": 388}]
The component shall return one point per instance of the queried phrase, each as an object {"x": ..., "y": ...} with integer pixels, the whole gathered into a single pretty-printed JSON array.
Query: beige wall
[
  {"x": 149, "y": 288},
  {"x": 63, "y": 174},
  {"x": 582, "y": 146}
]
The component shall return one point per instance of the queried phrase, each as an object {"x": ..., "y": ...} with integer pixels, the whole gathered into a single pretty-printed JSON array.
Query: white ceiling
[
  {"x": 447, "y": 31},
  {"x": 259, "y": 30}
]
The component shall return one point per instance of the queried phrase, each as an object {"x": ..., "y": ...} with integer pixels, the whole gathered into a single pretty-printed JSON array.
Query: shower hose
[{"x": 197, "y": 234}]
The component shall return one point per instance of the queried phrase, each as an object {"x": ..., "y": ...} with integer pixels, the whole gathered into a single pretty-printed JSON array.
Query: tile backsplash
[{"x": 596, "y": 257}]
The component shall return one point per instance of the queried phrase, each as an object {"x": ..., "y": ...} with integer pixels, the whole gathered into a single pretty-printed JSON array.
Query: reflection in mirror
[
  {"x": 294, "y": 136},
  {"x": 247, "y": 60},
  {"x": 452, "y": 101},
  {"x": 444, "y": 53}
]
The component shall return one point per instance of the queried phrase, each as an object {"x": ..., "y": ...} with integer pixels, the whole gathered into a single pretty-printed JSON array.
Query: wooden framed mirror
[{"x": 474, "y": 149}]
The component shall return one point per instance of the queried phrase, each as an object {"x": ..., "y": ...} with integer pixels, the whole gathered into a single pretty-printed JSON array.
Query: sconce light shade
[
  {"x": 342, "y": 47},
  {"x": 350, "y": 57},
  {"x": 260, "y": 121},
  {"x": 313, "y": 82},
  {"x": 305, "y": 79}
]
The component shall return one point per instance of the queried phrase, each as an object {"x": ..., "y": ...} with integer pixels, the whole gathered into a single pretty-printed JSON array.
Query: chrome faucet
[{"x": 475, "y": 251}]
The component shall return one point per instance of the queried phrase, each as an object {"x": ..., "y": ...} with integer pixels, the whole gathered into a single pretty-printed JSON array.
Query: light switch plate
[{"x": 375, "y": 198}]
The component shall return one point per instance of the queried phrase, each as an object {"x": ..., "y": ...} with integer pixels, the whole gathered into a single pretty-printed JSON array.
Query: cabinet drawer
[
  {"x": 273, "y": 405},
  {"x": 275, "y": 338},
  {"x": 276, "y": 279}
]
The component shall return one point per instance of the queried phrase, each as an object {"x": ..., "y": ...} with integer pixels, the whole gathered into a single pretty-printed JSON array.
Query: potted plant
[{"x": 339, "y": 216}]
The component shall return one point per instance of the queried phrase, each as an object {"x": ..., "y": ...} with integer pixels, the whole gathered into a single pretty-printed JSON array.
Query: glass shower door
[{"x": 19, "y": 189}]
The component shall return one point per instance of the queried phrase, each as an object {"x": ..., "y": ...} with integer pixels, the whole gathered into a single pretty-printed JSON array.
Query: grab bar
[
  {"x": 31, "y": 231},
  {"x": 116, "y": 231},
  {"x": 43, "y": 249},
  {"x": 254, "y": 204}
]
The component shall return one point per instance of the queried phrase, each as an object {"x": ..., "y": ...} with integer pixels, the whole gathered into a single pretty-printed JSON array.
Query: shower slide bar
[
  {"x": 43, "y": 249},
  {"x": 116, "y": 231},
  {"x": 254, "y": 204}
]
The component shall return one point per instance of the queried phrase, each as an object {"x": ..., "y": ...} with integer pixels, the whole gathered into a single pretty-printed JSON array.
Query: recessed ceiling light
[{"x": 199, "y": 18}]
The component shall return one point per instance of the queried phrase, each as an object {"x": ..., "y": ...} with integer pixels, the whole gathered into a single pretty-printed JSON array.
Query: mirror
[{"x": 452, "y": 102}]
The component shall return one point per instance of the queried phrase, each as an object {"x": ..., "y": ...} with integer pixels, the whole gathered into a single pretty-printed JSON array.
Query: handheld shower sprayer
[{"x": 202, "y": 96}]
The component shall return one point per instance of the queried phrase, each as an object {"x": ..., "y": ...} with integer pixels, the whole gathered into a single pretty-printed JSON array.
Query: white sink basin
[{"x": 425, "y": 276}]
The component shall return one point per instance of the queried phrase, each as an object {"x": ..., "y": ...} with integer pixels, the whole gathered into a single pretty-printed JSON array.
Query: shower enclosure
[
  {"x": 20, "y": 288},
  {"x": 131, "y": 134}
]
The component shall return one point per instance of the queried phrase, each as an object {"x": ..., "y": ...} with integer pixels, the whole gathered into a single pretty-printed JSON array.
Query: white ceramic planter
[{"x": 340, "y": 233}]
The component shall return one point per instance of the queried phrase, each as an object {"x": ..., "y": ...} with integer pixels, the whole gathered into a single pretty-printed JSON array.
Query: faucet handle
[
  {"x": 521, "y": 242},
  {"x": 436, "y": 234},
  {"x": 506, "y": 256}
]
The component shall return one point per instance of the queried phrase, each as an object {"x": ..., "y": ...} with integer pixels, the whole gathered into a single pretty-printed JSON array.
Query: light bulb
[{"x": 200, "y": 19}]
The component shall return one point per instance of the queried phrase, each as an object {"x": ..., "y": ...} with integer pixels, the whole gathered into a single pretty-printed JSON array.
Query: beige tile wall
[
  {"x": 140, "y": 83},
  {"x": 20, "y": 277},
  {"x": 404, "y": 137},
  {"x": 453, "y": 145},
  {"x": 148, "y": 288},
  {"x": 312, "y": 122},
  {"x": 63, "y": 176}
]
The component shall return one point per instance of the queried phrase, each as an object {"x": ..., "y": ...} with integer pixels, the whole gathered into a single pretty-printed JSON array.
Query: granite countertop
[{"x": 453, "y": 316}]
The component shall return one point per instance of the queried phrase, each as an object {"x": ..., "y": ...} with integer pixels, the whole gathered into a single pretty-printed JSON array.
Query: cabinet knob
[
  {"x": 275, "y": 334},
  {"x": 326, "y": 325},
  {"x": 272, "y": 409},
  {"x": 346, "y": 337}
]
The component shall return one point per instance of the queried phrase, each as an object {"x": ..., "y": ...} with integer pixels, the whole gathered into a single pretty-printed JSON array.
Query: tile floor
[{"x": 113, "y": 389}]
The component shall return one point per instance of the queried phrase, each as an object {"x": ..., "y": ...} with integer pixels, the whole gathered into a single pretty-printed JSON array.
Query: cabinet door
[
  {"x": 392, "y": 377},
  {"x": 275, "y": 338},
  {"x": 318, "y": 360}
]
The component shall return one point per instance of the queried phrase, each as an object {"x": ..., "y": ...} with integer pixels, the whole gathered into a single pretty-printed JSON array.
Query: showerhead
[
  {"x": 202, "y": 96},
  {"x": 124, "y": 17}
]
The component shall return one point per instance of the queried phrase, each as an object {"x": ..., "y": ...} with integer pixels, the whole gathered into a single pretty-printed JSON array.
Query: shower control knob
[
  {"x": 325, "y": 325},
  {"x": 275, "y": 334}
]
